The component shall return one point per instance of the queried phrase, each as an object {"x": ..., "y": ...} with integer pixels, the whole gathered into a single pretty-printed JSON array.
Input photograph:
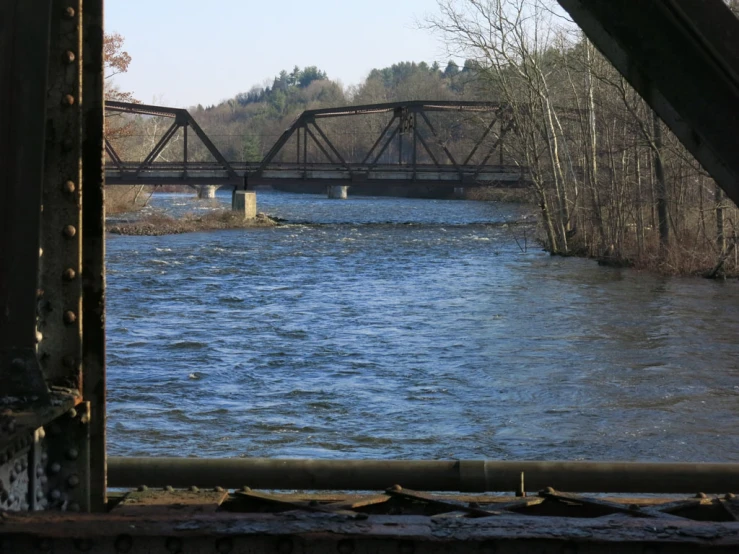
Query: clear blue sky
[{"x": 186, "y": 52}]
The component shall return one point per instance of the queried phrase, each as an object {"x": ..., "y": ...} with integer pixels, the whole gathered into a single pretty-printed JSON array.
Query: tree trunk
[
  {"x": 659, "y": 173},
  {"x": 720, "y": 233}
]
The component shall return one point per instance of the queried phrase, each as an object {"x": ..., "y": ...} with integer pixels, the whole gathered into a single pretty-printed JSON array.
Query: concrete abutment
[
  {"x": 245, "y": 202},
  {"x": 338, "y": 192}
]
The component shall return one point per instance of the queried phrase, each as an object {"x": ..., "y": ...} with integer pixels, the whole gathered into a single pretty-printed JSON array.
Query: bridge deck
[{"x": 349, "y": 174}]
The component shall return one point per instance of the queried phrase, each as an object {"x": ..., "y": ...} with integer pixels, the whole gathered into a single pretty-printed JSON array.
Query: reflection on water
[{"x": 409, "y": 329}]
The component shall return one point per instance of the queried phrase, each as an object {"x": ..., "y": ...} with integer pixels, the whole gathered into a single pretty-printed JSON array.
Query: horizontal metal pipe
[{"x": 463, "y": 476}]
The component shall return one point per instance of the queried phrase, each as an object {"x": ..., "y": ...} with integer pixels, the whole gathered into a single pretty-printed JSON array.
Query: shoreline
[{"x": 160, "y": 224}]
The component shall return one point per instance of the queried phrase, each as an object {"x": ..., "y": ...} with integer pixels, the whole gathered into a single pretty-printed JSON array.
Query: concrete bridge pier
[
  {"x": 458, "y": 192},
  {"x": 338, "y": 192},
  {"x": 206, "y": 192},
  {"x": 245, "y": 202}
]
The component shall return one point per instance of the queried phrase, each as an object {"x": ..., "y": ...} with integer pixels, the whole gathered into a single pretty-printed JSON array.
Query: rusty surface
[
  {"x": 307, "y": 531},
  {"x": 159, "y": 502},
  {"x": 61, "y": 346}
]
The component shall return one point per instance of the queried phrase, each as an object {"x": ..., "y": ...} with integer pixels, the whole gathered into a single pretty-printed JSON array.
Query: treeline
[{"x": 611, "y": 182}]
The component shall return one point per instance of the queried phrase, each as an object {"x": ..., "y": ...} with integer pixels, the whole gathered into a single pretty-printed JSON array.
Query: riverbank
[{"x": 160, "y": 224}]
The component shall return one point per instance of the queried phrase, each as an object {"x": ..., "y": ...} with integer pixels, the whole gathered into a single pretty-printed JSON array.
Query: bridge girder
[{"x": 682, "y": 56}]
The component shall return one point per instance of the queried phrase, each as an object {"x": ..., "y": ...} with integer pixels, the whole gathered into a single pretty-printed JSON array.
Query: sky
[{"x": 186, "y": 53}]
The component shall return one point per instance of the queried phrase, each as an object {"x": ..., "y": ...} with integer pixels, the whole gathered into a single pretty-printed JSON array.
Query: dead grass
[
  {"x": 160, "y": 224},
  {"x": 493, "y": 194}
]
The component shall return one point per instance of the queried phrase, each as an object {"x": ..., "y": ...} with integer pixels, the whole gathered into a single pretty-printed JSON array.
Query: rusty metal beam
[
  {"x": 91, "y": 426},
  {"x": 295, "y": 532},
  {"x": 682, "y": 56}
]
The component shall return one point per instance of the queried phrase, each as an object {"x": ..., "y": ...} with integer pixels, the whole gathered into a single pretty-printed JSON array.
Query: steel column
[
  {"x": 24, "y": 51},
  {"x": 90, "y": 420}
]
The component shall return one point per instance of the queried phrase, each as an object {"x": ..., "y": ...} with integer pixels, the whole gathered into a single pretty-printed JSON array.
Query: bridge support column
[
  {"x": 206, "y": 192},
  {"x": 245, "y": 202},
  {"x": 338, "y": 192},
  {"x": 458, "y": 192}
]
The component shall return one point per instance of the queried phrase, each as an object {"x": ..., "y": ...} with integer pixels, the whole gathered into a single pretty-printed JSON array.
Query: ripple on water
[{"x": 410, "y": 329}]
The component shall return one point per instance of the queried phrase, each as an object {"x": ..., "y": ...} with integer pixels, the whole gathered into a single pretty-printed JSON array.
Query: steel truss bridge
[{"x": 407, "y": 149}]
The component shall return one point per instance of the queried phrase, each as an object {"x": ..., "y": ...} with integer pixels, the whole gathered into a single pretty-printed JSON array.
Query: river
[{"x": 417, "y": 329}]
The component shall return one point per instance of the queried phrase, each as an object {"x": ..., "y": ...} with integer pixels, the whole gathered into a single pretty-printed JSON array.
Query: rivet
[
  {"x": 70, "y": 231},
  {"x": 225, "y": 545},
  {"x": 73, "y": 454},
  {"x": 69, "y": 56},
  {"x": 85, "y": 419},
  {"x": 43, "y": 479},
  {"x": 70, "y": 274},
  {"x": 396, "y": 488},
  {"x": 18, "y": 467},
  {"x": 701, "y": 495},
  {"x": 73, "y": 481},
  {"x": 245, "y": 489},
  {"x": 56, "y": 494},
  {"x": 44, "y": 457},
  {"x": 68, "y": 100},
  {"x": 70, "y": 317},
  {"x": 194, "y": 489},
  {"x": 18, "y": 364},
  {"x": 143, "y": 488},
  {"x": 72, "y": 413},
  {"x": 74, "y": 507},
  {"x": 285, "y": 546},
  {"x": 39, "y": 494},
  {"x": 219, "y": 489},
  {"x": 730, "y": 496},
  {"x": 69, "y": 12},
  {"x": 39, "y": 471},
  {"x": 174, "y": 545},
  {"x": 169, "y": 488},
  {"x": 124, "y": 544},
  {"x": 69, "y": 187},
  {"x": 39, "y": 337},
  {"x": 40, "y": 252},
  {"x": 345, "y": 547}
]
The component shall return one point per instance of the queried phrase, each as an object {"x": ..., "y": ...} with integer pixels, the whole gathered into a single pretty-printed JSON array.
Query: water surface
[{"x": 420, "y": 329}]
